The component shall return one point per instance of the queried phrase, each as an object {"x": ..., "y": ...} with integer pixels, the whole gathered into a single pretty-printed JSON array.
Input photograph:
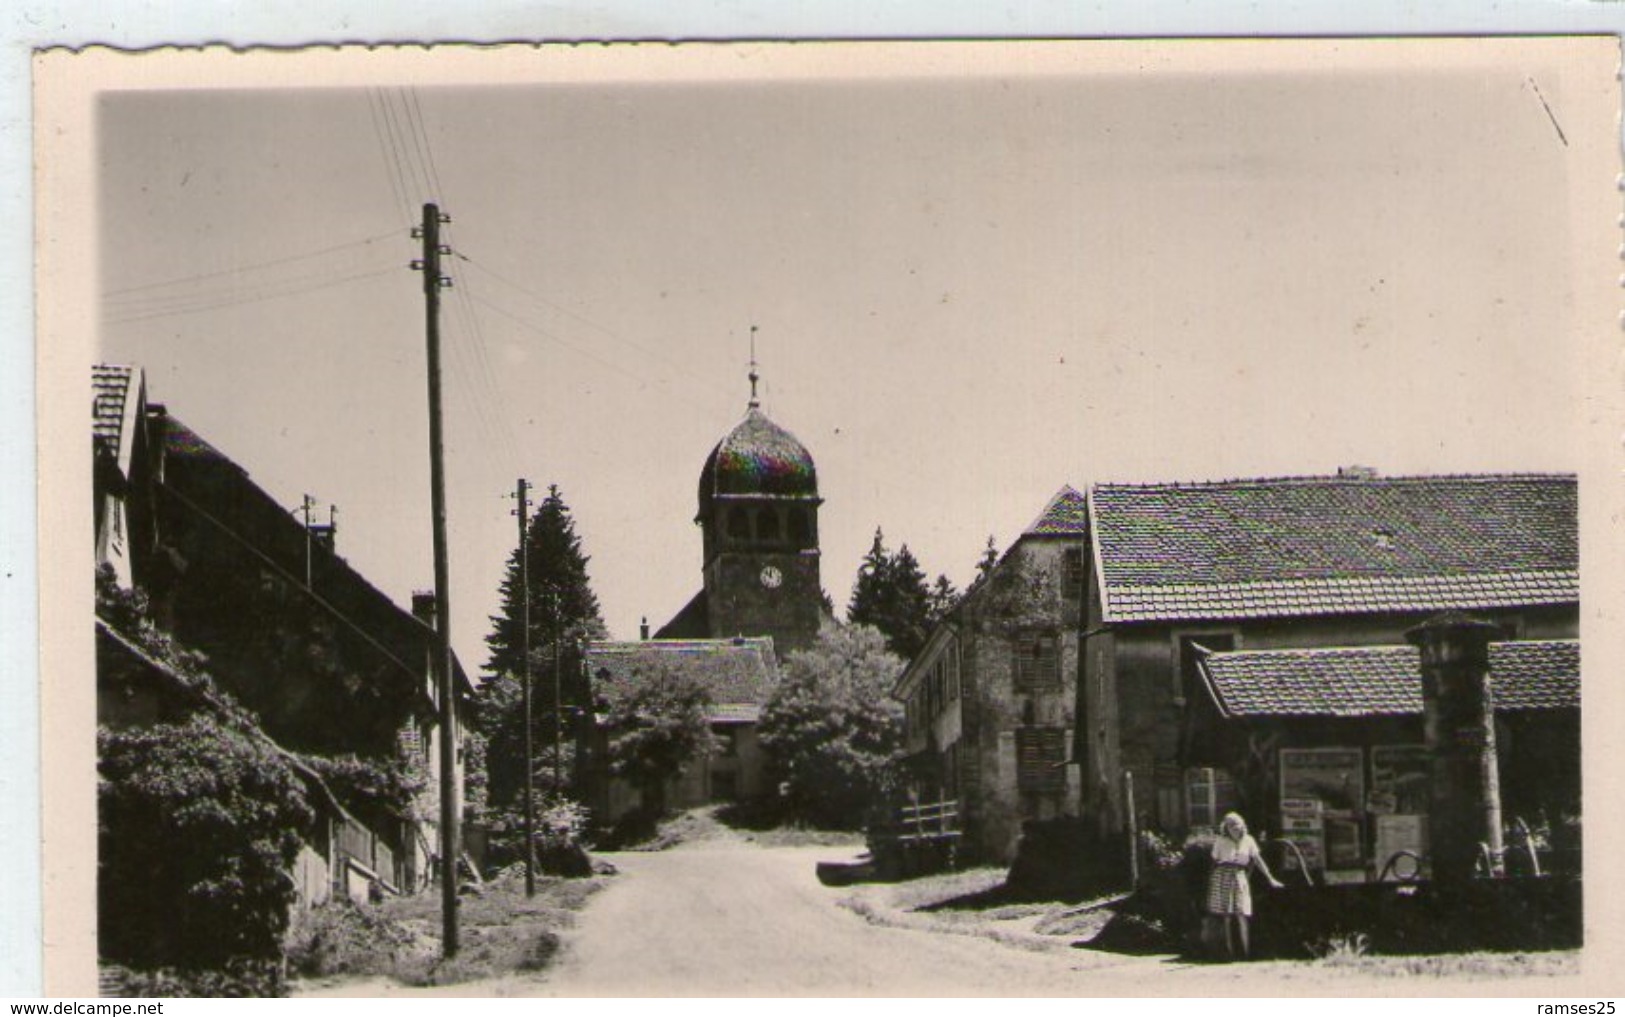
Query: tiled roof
[
  {"x": 1381, "y": 680},
  {"x": 758, "y": 457},
  {"x": 1334, "y": 545},
  {"x": 1067, "y": 514},
  {"x": 113, "y": 387},
  {"x": 740, "y": 673}
]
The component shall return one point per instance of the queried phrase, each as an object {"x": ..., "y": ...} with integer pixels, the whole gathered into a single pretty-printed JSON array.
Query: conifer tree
[
  {"x": 564, "y": 613},
  {"x": 989, "y": 560},
  {"x": 891, "y": 595}
]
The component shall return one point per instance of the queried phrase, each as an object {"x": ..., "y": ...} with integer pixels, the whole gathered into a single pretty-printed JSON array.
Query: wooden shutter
[
  {"x": 1040, "y": 753},
  {"x": 1038, "y": 661}
]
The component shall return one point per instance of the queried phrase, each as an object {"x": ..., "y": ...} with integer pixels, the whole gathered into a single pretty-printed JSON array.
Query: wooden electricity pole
[
  {"x": 521, "y": 492},
  {"x": 450, "y": 832},
  {"x": 558, "y": 700}
]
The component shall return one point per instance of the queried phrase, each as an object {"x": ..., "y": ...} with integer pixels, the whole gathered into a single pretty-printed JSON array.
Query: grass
[
  {"x": 1479, "y": 964},
  {"x": 735, "y": 822},
  {"x": 975, "y": 902},
  {"x": 502, "y": 932}
]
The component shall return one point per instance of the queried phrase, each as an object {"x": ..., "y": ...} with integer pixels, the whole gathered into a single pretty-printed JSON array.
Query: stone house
[
  {"x": 1244, "y": 645},
  {"x": 989, "y": 701},
  {"x": 328, "y": 663},
  {"x": 739, "y": 674}
]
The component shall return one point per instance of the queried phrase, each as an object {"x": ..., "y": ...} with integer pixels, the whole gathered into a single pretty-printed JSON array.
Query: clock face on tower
[{"x": 772, "y": 577}]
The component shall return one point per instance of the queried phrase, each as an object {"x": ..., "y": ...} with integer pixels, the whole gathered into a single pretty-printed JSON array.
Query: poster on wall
[
  {"x": 1399, "y": 780},
  {"x": 1304, "y": 827},
  {"x": 1333, "y": 777}
]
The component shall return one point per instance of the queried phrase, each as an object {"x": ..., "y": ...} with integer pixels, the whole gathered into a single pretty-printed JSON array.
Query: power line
[
  {"x": 383, "y": 155},
  {"x": 528, "y": 291},
  {"x": 328, "y": 284},
  {"x": 233, "y": 289},
  {"x": 253, "y": 266},
  {"x": 553, "y": 338}
]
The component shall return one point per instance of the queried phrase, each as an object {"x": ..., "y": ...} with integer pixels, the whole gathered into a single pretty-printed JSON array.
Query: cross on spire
[{"x": 754, "y": 377}]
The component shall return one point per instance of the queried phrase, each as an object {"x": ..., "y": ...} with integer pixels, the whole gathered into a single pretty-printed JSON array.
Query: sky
[{"x": 970, "y": 289}]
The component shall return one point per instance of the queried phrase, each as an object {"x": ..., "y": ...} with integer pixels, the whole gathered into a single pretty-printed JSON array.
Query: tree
[
  {"x": 564, "y": 613},
  {"x": 659, "y": 725},
  {"x": 832, "y": 733},
  {"x": 988, "y": 562},
  {"x": 199, "y": 824},
  {"x": 890, "y": 594},
  {"x": 943, "y": 597}
]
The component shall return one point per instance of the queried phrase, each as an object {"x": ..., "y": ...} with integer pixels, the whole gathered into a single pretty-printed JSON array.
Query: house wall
[
  {"x": 1025, "y": 595},
  {"x": 704, "y": 782}
]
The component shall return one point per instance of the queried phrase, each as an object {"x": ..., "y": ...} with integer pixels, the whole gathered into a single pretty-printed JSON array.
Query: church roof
[
  {"x": 758, "y": 457},
  {"x": 739, "y": 673}
]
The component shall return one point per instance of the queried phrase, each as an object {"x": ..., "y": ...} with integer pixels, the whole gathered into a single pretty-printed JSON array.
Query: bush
[
  {"x": 199, "y": 824},
  {"x": 344, "y": 938},
  {"x": 560, "y": 837},
  {"x": 237, "y": 980},
  {"x": 833, "y": 734}
]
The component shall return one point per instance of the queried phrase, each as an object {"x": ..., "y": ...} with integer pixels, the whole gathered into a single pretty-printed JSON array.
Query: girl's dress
[{"x": 1228, "y": 892}]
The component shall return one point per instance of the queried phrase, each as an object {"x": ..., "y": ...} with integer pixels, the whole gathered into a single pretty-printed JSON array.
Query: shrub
[
  {"x": 560, "y": 837},
  {"x": 198, "y": 824},
  {"x": 343, "y": 938},
  {"x": 236, "y": 980},
  {"x": 833, "y": 734}
]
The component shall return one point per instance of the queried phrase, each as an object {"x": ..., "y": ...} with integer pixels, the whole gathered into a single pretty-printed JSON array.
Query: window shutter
[
  {"x": 1038, "y": 661},
  {"x": 1040, "y": 753}
]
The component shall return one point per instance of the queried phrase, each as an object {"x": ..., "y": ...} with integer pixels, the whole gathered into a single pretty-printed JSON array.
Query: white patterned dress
[{"x": 1228, "y": 892}]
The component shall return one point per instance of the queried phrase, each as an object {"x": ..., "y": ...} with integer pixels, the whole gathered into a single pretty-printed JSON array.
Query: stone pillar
[{"x": 1459, "y": 718}]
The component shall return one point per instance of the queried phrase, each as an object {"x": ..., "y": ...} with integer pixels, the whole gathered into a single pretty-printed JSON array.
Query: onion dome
[{"x": 757, "y": 458}]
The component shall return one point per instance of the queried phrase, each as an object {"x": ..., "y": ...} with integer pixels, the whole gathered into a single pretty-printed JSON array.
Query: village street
[
  {"x": 723, "y": 917},
  {"x": 726, "y": 917}
]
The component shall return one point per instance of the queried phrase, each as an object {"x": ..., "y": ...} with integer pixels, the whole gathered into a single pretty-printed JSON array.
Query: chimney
[
  {"x": 643, "y": 629},
  {"x": 423, "y": 607},
  {"x": 327, "y": 536},
  {"x": 1458, "y": 717},
  {"x": 1357, "y": 472}
]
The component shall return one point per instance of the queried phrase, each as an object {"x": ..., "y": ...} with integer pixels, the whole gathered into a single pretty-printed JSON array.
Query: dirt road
[
  {"x": 729, "y": 918},
  {"x": 723, "y": 917}
]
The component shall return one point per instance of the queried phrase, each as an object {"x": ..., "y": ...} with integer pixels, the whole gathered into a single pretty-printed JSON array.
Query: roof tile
[{"x": 1376, "y": 680}]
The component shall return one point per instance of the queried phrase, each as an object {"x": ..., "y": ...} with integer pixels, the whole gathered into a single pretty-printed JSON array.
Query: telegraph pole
[
  {"x": 558, "y": 707},
  {"x": 309, "y": 503},
  {"x": 450, "y": 832},
  {"x": 521, "y": 491}
]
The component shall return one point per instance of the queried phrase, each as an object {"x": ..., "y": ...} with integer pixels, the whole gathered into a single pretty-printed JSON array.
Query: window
[
  {"x": 738, "y": 524},
  {"x": 1209, "y": 794},
  {"x": 1041, "y": 759},
  {"x": 727, "y": 741},
  {"x": 1038, "y": 661},
  {"x": 1072, "y": 574},
  {"x": 767, "y": 525},
  {"x": 800, "y": 528}
]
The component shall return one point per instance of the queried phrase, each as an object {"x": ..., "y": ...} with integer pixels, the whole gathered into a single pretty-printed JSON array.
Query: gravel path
[{"x": 722, "y": 918}]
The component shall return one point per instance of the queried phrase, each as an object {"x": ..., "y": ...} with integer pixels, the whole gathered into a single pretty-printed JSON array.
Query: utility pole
[
  {"x": 308, "y": 504},
  {"x": 450, "y": 832},
  {"x": 521, "y": 491},
  {"x": 558, "y": 714}
]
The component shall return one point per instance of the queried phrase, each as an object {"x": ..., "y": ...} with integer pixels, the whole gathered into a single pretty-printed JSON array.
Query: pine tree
[
  {"x": 988, "y": 562},
  {"x": 891, "y": 595},
  {"x": 564, "y": 613},
  {"x": 942, "y": 600}
]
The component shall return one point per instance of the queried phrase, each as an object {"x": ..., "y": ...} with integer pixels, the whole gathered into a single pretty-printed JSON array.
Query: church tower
[{"x": 758, "y": 516}]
